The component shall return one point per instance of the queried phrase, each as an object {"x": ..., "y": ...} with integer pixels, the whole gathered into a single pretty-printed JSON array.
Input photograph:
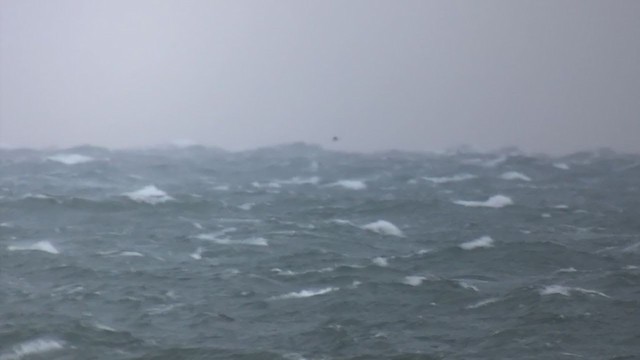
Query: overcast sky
[{"x": 554, "y": 76}]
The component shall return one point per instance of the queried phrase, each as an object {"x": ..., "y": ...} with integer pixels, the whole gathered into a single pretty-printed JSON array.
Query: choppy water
[{"x": 295, "y": 252}]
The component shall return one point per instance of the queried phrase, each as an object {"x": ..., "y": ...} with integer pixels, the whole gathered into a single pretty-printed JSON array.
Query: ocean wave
[
  {"x": 305, "y": 293},
  {"x": 350, "y": 184},
  {"x": 482, "y": 242},
  {"x": 383, "y": 227},
  {"x": 149, "y": 194},
  {"x": 496, "y": 201},
  {"x": 70, "y": 159},
  {"x": 43, "y": 245},
  {"x": 566, "y": 291},
  {"x": 514, "y": 175},
  {"x": 32, "y": 347},
  {"x": 448, "y": 179}
]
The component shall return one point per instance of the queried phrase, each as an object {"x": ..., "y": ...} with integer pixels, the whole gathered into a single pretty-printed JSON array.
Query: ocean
[{"x": 299, "y": 252}]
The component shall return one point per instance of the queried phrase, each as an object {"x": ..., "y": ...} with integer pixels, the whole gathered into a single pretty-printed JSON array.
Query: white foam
[
  {"x": 314, "y": 180},
  {"x": 413, "y": 280},
  {"x": 305, "y": 293},
  {"x": 149, "y": 194},
  {"x": 221, "y": 188},
  {"x": 32, "y": 347},
  {"x": 482, "y": 242},
  {"x": 350, "y": 184},
  {"x": 466, "y": 285},
  {"x": 486, "y": 163},
  {"x": 294, "y": 273},
  {"x": 197, "y": 254},
  {"x": 343, "y": 222},
  {"x": 495, "y": 162},
  {"x": 273, "y": 185},
  {"x": 545, "y": 215},
  {"x": 380, "y": 261},
  {"x": 104, "y": 327},
  {"x": 246, "y": 206},
  {"x": 514, "y": 175},
  {"x": 37, "y": 196},
  {"x": 482, "y": 303},
  {"x": 383, "y": 227},
  {"x": 496, "y": 201},
  {"x": 566, "y": 291},
  {"x": 561, "y": 207},
  {"x": 284, "y": 272},
  {"x": 258, "y": 241},
  {"x": 39, "y": 246},
  {"x": 561, "y": 166},
  {"x": 161, "y": 309},
  {"x": 447, "y": 179},
  {"x": 131, "y": 253},
  {"x": 567, "y": 270},
  {"x": 70, "y": 159},
  {"x": 555, "y": 289}
]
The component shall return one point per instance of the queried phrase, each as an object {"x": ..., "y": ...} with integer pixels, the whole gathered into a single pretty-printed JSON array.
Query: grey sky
[{"x": 553, "y": 76}]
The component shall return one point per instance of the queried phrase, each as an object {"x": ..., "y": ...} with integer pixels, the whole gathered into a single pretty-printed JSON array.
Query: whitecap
[
  {"x": 561, "y": 207},
  {"x": 383, "y": 227},
  {"x": 104, "y": 327},
  {"x": 70, "y": 159},
  {"x": 350, "y": 184},
  {"x": 161, "y": 309},
  {"x": 37, "y": 196},
  {"x": 197, "y": 254},
  {"x": 555, "y": 289},
  {"x": 514, "y": 175},
  {"x": 314, "y": 180},
  {"x": 259, "y": 241},
  {"x": 380, "y": 261},
  {"x": 496, "y": 201},
  {"x": 32, "y": 347},
  {"x": 305, "y": 293},
  {"x": 273, "y": 185},
  {"x": 466, "y": 285},
  {"x": 566, "y": 291},
  {"x": 149, "y": 194},
  {"x": 246, "y": 206},
  {"x": 294, "y": 273},
  {"x": 342, "y": 222},
  {"x": 39, "y": 246},
  {"x": 482, "y": 242},
  {"x": 221, "y": 188},
  {"x": 561, "y": 166},
  {"x": 284, "y": 272},
  {"x": 413, "y": 280},
  {"x": 447, "y": 179},
  {"x": 131, "y": 253},
  {"x": 482, "y": 303}
]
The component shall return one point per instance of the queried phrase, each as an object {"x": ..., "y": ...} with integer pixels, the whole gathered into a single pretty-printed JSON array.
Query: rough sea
[{"x": 297, "y": 252}]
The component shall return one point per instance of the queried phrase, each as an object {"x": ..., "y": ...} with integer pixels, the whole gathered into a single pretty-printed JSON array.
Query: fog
[{"x": 550, "y": 76}]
